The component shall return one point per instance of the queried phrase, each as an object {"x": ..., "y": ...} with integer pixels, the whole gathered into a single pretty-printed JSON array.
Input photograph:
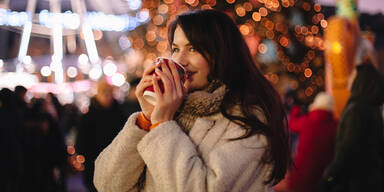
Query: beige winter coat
[{"x": 206, "y": 160}]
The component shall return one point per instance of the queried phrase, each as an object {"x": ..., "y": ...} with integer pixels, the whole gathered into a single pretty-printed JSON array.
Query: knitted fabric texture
[{"x": 201, "y": 103}]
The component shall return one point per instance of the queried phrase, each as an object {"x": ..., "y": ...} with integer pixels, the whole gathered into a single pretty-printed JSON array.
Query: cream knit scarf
[{"x": 200, "y": 103}]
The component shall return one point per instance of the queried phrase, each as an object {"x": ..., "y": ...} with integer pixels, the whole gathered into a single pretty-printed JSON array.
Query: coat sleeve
[
  {"x": 175, "y": 163},
  {"x": 297, "y": 120},
  {"x": 119, "y": 166}
]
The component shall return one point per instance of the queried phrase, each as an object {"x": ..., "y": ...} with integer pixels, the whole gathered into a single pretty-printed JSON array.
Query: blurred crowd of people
[
  {"x": 33, "y": 139},
  {"x": 34, "y": 134}
]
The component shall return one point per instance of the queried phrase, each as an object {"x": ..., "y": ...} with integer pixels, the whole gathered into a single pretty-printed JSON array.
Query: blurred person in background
[
  {"x": 316, "y": 131},
  {"x": 20, "y": 93},
  {"x": 97, "y": 128},
  {"x": 44, "y": 150},
  {"x": 12, "y": 159},
  {"x": 69, "y": 119},
  {"x": 54, "y": 106},
  {"x": 358, "y": 164}
]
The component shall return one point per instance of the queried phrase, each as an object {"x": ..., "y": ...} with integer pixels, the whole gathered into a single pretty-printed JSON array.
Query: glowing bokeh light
[
  {"x": 95, "y": 73},
  {"x": 45, "y": 71},
  {"x": 307, "y": 72},
  {"x": 72, "y": 72},
  {"x": 336, "y": 47},
  {"x": 109, "y": 68},
  {"x": 118, "y": 79},
  {"x": 134, "y": 4},
  {"x": 256, "y": 16}
]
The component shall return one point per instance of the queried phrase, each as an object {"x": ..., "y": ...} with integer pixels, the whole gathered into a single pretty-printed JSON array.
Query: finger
[
  {"x": 168, "y": 83},
  {"x": 165, "y": 68},
  {"x": 146, "y": 78},
  {"x": 142, "y": 86},
  {"x": 176, "y": 78},
  {"x": 156, "y": 87},
  {"x": 145, "y": 82},
  {"x": 148, "y": 70}
]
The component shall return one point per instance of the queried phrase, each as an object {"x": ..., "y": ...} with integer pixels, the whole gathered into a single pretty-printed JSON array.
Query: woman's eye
[
  {"x": 192, "y": 49},
  {"x": 175, "y": 50}
]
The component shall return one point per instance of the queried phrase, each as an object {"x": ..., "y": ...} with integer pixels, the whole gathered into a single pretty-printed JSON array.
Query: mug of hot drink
[{"x": 149, "y": 93}]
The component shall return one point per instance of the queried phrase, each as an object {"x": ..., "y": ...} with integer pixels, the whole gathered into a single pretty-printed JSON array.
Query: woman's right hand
[{"x": 146, "y": 81}]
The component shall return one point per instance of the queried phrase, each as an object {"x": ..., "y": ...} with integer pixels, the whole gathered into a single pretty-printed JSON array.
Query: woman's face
[{"x": 185, "y": 54}]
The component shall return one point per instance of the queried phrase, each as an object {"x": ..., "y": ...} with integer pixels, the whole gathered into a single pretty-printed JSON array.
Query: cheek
[
  {"x": 204, "y": 67},
  {"x": 206, "y": 72}
]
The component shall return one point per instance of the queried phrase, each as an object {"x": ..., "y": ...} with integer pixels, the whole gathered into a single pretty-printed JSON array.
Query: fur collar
[{"x": 201, "y": 103}]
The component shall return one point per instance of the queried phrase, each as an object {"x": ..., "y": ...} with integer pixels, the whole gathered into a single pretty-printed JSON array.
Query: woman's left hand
[{"x": 170, "y": 100}]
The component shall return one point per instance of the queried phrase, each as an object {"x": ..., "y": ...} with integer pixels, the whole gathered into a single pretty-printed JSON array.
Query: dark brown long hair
[{"x": 218, "y": 39}]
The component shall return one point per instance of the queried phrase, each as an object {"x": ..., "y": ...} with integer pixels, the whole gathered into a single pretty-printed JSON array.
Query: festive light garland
[{"x": 69, "y": 20}]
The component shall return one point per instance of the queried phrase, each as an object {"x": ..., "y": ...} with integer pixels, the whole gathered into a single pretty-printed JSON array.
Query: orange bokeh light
[
  {"x": 163, "y": 9},
  {"x": 315, "y": 29},
  {"x": 244, "y": 29},
  {"x": 323, "y": 23},
  {"x": 231, "y": 1},
  {"x": 306, "y": 6},
  {"x": 162, "y": 46},
  {"x": 284, "y": 41},
  {"x": 211, "y": 2},
  {"x": 308, "y": 91},
  {"x": 206, "y": 6},
  {"x": 269, "y": 25},
  {"x": 307, "y": 72},
  {"x": 158, "y": 20},
  {"x": 262, "y": 48},
  {"x": 80, "y": 158},
  {"x": 263, "y": 11},
  {"x": 270, "y": 34},
  {"x": 150, "y": 36},
  {"x": 71, "y": 150},
  {"x": 256, "y": 16},
  {"x": 240, "y": 11},
  {"x": 248, "y": 6}
]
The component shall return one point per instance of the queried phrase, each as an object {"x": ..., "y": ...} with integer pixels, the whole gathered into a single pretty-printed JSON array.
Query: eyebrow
[{"x": 188, "y": 44}]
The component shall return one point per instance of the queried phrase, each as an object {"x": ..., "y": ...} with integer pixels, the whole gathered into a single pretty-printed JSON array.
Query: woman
[{"x": 227, "y": 134}]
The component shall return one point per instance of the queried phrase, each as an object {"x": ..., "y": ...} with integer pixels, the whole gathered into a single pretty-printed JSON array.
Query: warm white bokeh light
[
  {"x": 118, "y": 79},
  {"x": 72, "y": 72},
  {"x": 109, "y": 68},
  {"x": 95, "y": 73},
  {"x": 45, "y": 71}
]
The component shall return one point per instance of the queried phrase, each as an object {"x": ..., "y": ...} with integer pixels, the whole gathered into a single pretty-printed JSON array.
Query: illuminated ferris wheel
[{"x": 56, "y": 25}]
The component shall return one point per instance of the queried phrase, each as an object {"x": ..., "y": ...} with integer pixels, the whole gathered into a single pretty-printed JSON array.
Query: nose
[{"x": 180, "y": 59}]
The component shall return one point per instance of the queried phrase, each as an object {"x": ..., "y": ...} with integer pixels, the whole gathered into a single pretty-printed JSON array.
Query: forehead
[{"x": 179, "y": 37}]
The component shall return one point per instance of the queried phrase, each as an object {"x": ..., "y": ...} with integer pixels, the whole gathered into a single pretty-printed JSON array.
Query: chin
[{"x": 195, "y": 87}]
